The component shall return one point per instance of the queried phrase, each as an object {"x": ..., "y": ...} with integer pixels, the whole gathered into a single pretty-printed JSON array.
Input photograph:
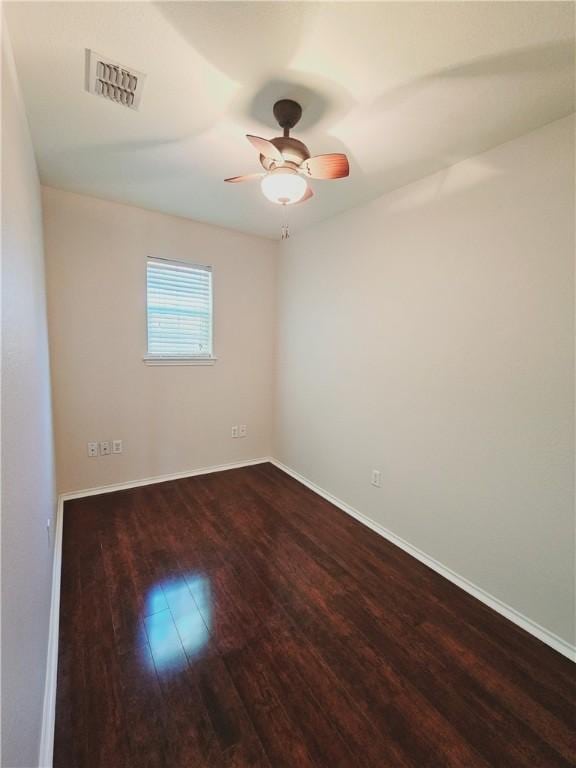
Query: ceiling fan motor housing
[{"x": 293, "y": 151}]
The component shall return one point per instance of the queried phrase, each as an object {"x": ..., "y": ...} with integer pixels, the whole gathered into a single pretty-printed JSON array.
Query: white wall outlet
[
  {"x": 48, "y": 523},
  {"x": 376, "y": 478},
  {"x": 92, "y": 449},
  {"x": 116, "y": 446},
  {"x": 243, "y": 431},
  {"x": 235, "y": 431},
  {"x": 105, "y": 448}
]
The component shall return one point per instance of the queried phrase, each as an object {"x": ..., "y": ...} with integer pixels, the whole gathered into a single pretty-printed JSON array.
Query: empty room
[{"x": 288, "y": 385}]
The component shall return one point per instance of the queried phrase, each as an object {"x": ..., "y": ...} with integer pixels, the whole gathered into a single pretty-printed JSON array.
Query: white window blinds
[{"x": 179, "y": 300}]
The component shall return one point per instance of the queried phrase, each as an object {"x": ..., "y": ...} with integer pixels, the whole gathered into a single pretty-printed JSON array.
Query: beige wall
[
  {"x": 171, "y": 418},
  {"x": 430, "y": 335},
  {"x": 28, "y": 493}
]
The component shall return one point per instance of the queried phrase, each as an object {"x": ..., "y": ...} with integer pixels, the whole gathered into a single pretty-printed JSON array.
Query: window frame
[{"x": 155, "y": 358}]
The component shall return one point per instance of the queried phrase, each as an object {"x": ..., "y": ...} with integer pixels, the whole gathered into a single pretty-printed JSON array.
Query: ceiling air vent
[{"x": 113, "y": 81}]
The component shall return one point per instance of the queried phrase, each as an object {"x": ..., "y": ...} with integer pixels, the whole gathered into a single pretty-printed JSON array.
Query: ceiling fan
[{"x": 287, "y": 162}]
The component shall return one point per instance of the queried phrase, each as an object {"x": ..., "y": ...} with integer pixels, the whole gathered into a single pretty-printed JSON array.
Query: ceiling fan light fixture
[{"x": 284, "y": 186}]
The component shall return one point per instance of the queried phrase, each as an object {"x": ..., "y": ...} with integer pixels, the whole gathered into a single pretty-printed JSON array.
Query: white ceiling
[{"x": 403, "y": 88}]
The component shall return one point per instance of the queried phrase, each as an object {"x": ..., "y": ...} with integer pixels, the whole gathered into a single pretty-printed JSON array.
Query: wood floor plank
[
  {"x": 191, "y": 737},
  {"x": 283, "y": 739},
  {"x": 144, "y": 709},
  {"x": 239, "y": 742},
  {"x": 364, "y": 737},
  {"x": 238, "y": 619},
  {"x": 69, "y": 725}
]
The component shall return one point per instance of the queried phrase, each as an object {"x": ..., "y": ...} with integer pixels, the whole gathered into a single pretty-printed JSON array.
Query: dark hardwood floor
[{"x": 238, "y": 619}]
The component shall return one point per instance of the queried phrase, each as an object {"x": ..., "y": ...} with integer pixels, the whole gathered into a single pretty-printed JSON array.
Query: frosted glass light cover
[{"x": 283, "y": 186}]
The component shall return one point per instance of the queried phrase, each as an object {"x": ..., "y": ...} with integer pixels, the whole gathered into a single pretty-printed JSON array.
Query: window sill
[{"x": 178, "y": 360}]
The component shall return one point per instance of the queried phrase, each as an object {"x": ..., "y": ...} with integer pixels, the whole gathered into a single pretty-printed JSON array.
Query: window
[{"x": 179, "y": 302}]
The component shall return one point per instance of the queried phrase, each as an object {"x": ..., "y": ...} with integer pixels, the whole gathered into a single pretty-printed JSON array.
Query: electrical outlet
[
  {"x": 105, "y": 448},
  {"x": 116, "y": 446},
  {"x": 243, "y": 431},
  {"x": 376, "y": 478},
  {"x": 92, "y": 449},
  {"x": 235, "y": 431},
  {"x": 48, "y": 522}
]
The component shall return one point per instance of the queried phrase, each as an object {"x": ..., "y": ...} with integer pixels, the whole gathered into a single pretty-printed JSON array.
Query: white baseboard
[
  {"x": 555, "y": 642},
  {"x": 49, "y": 708},
  {"x": 68, "y": 495}
]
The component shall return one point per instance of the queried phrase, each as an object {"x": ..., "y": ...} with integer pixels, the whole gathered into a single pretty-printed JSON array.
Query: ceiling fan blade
[
  {"x": 247, "y": 177},
  {"x": 334, "y": 166},
  {"x": 307, "y": 195},
  {"x": 266, "y": 148}
]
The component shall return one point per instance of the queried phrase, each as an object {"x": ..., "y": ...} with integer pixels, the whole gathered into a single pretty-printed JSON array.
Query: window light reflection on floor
[{"x": 178, "y": 621}]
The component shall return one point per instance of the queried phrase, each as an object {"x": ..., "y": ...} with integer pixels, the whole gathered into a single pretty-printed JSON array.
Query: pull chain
[{"x": 285, "y": 232}]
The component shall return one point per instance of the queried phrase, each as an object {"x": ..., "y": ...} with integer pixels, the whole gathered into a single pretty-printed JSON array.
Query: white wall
[
  {"x": 28, "y": 493},
  {"x": 430, "y": 335},
  {"x": 171, "y": 418}
]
